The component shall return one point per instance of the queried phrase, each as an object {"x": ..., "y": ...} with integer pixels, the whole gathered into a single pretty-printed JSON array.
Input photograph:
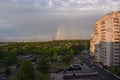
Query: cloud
[{"x": 31, "y": 18}]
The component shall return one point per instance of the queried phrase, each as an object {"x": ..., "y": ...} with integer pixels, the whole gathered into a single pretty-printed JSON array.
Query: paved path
[{"x": 86, "y": 69}]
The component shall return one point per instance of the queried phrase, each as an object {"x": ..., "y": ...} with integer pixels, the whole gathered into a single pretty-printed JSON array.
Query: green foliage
[
  {"x": 10, "y": 59},
  {"x": 1, "y": 55},
  {"x": 77, "y": 48},
  {"x": 45, "y": 48},
  {"x": 11, "y": 78},
  {"x": 8, "y": 71},
  {"x": 25, "y": 71},
  {"x": 55, "y": 51},
  {"x": 114, "y": 69},
  {"x": 43, "y": 65},
  {"x": 55, "y": 57},
  {"x": 67, "y": 58},
  {"x": 71, "y": 53},
  {"x": 42, "y": 76}
]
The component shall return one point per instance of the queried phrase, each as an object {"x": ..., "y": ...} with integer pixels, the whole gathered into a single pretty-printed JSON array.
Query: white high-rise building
[{"x": 105, "y": 40}]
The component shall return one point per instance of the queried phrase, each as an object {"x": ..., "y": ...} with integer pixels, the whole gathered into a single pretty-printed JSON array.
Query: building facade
[{"x": 105, "y": 40}]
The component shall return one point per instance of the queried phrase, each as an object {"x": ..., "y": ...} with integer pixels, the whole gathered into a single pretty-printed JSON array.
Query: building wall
[{"x": 98, "y": 52}]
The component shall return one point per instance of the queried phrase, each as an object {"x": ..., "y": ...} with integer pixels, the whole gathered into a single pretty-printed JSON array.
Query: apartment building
[{"x": 105, "y": 40}]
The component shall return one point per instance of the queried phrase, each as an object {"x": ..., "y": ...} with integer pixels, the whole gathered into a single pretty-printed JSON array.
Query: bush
[
  {"x": 43, "y": 65},
  {"x": 8, "y": 71},
  {"x": 43, "y": 76}
]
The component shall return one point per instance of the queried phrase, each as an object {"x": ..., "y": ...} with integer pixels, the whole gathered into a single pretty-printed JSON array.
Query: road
[{"x": 103, "y": 74}]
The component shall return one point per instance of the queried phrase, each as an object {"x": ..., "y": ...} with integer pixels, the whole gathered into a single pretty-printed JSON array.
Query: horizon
[{"x": 43, "y": 40}]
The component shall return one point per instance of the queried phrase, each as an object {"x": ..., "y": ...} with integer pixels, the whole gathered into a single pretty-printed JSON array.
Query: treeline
[{"x": 41, "y": 48}]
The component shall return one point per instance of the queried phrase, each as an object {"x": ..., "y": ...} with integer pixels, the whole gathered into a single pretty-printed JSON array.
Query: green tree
[
  {"x": 55, "y": 57},
  {"x": 71, "y": 53},
  {"x": 114, "y": 69},
  {"x": 42, "y": 76},
  {"x": 66, "y": 58},
  {"x": 77, "y": 48},
  {"x": 10, "y": 59},
  {"x": 11, "y": 78},
  {"x": 8, "y": 71},
  {"x": 25, "y": 71},
  {"x": 43, "y": 65}
]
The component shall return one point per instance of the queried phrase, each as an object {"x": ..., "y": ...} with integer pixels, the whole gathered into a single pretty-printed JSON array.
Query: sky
[{"x": 42, "y": 19}]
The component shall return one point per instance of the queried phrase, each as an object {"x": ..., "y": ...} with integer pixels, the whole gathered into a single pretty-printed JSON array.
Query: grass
[{"x": 59, "y": 66}]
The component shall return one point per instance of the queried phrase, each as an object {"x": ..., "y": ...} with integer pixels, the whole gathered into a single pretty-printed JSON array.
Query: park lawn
[{"x": 59, "y": 66}]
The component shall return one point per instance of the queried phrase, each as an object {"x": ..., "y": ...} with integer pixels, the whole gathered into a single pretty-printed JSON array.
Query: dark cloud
[{"x": 26, "y": 19}]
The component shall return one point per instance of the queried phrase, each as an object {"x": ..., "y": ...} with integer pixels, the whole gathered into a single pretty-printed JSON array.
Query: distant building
[{"x": 105, "y": 40}]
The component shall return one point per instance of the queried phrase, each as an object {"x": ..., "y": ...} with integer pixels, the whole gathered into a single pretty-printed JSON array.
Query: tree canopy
[
  {"x": 25, "y": 71},
  {"x": 43, "y": 65}
]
